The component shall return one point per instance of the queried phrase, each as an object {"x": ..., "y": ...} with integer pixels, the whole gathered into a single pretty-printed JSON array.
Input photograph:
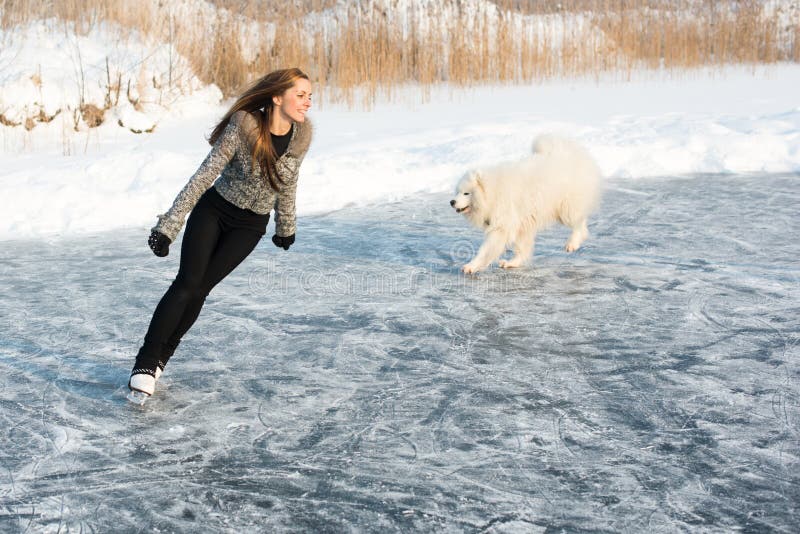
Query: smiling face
[
  {"x": 295, "y": 101},
  {"x": 464, "y": 200}
]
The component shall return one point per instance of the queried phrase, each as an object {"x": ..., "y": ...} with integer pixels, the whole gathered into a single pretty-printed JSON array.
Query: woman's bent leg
[{"x": 199, "y": 242}]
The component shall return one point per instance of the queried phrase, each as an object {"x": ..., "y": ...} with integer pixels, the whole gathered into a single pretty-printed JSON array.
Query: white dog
[{"x": 511, "y": 202}]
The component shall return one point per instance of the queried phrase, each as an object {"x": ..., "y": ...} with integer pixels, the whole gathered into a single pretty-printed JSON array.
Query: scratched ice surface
[{"x": 648, "y": 383}]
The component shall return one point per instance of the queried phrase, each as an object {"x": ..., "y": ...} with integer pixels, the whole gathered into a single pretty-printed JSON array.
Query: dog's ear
[{"x": 478, "y": 179}]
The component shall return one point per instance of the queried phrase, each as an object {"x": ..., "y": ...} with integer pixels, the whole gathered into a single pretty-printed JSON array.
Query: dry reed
[{"x": 366, "y": 49}]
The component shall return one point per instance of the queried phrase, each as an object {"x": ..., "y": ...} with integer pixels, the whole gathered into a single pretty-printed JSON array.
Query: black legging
[{"x": 218, "y": 237}]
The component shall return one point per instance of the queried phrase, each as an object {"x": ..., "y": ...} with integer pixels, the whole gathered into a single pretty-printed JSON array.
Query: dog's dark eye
[{"x": 466, "y": 193}]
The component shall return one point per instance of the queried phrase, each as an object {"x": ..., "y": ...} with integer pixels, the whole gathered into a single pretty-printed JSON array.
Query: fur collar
[
  {"x": 301, "y": 138},
  {"x": 298, "y": 144}
]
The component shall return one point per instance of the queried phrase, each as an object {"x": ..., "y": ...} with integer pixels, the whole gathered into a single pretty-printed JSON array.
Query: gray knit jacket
[{"x": 240, "y": 179}]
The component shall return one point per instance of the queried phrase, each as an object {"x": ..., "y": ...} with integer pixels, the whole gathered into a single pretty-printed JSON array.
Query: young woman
[{"x": 258, "y": 147}]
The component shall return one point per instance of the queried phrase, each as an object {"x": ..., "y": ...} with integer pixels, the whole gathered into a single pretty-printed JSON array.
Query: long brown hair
[{"x": 257, "y": 96}]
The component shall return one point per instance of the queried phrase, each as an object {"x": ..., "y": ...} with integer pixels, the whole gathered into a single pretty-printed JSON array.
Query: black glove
[
  {"x": 158, "y": 243},
  {"x": 283, "y": 242}
]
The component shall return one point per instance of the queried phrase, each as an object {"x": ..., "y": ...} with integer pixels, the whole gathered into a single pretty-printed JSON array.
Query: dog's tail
[{"x": 551, "y": 144}]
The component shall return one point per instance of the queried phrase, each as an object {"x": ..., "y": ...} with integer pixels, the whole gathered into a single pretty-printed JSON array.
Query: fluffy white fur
[{"x": 511, "y": 202}]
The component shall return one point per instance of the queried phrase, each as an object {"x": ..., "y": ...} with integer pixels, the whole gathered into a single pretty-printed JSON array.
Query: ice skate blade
[{"x": 138, "y": 397}]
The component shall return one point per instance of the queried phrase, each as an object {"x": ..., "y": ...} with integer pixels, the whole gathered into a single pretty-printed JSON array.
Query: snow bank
[{"x": 51, "y": 76}]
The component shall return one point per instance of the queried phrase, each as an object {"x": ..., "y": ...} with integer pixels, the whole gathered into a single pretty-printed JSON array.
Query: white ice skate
[{"x": 142, "y": 386}]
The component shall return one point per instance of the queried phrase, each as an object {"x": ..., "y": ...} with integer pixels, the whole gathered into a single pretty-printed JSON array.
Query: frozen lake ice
[{"x": 359, "y": 382}]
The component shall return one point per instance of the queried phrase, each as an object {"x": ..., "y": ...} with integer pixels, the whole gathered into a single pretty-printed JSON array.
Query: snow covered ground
[
  {"x": 648, "y": 383},
  {"x": 733, "y": 121}
]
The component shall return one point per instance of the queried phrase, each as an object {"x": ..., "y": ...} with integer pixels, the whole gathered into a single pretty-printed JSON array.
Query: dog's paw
[
  {"x": 469, "y": 269},
  {"x": 571, "y": 246},
  {"x": 509, "y": 264}
]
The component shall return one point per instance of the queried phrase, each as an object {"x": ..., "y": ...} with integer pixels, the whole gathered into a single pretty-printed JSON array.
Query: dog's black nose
[{"x": 452, "y": 202}]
